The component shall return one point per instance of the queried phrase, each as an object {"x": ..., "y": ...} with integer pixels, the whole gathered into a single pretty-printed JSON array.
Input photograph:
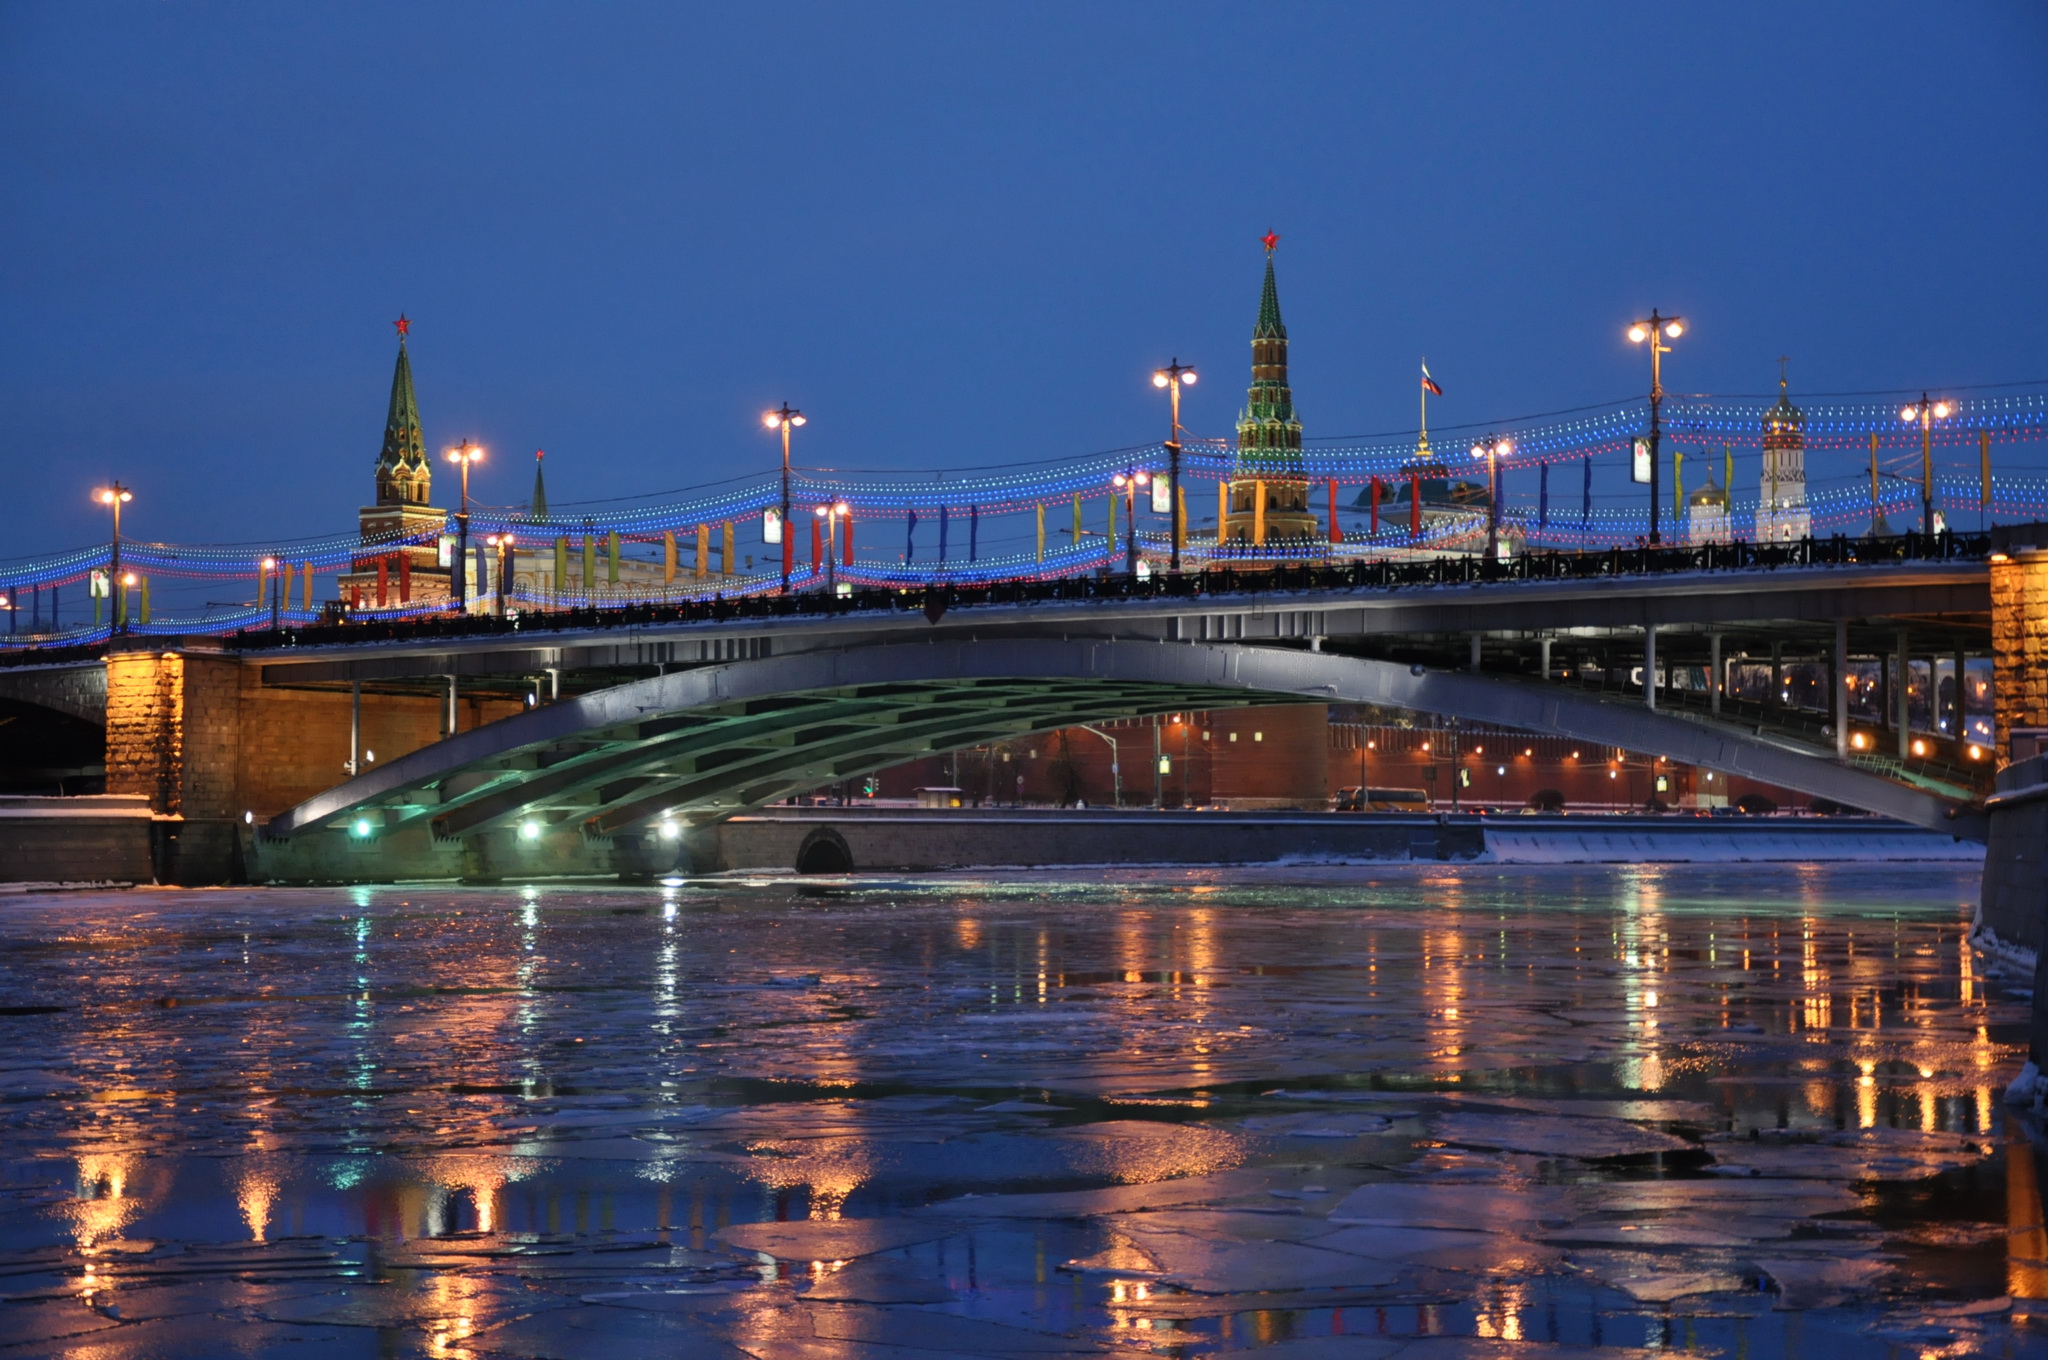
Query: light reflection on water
[{"x": 555, "y": 1065}]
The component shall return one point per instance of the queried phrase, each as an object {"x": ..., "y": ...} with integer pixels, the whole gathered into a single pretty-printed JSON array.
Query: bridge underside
[{"x": 609, "y": 780}]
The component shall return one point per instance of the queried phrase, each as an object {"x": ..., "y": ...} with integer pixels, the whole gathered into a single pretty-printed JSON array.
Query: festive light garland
[{"x": 1696, "y": 426}]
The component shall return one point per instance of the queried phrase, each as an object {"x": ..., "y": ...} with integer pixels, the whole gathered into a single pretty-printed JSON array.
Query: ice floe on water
[{"x": 1433, "y": 1111}]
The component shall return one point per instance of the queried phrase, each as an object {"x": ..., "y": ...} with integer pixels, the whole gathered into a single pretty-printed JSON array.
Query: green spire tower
[
  {"x": 404, "y": 477},
  {"x": 1269, "y": 465},
  {"x": 399, "y": 563},
  {"x": 539, "y": 508}
]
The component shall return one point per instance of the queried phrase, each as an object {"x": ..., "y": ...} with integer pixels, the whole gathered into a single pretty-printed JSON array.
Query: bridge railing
[{"x": 1287, "y": 578}]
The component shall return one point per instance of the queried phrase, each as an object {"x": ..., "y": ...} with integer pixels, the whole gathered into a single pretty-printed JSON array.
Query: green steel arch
[{"x": 708, "y": 742}]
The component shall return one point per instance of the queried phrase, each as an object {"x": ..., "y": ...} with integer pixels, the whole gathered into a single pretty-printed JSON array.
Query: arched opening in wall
[
  {"x": 824, "y": 851},
  {"x": 46, "y": 752}
]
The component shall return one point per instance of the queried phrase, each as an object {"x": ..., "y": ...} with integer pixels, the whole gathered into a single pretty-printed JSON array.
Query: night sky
[{"x": 958, "y": 234}]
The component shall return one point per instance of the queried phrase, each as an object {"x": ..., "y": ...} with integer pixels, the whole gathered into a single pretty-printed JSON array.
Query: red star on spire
[
  {"x": 1270, "y": 239},
  {"x": 403, "y": 324},
  {"x": 539, "y": 454}
]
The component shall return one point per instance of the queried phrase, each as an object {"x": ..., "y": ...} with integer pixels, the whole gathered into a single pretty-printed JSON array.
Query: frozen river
[{"x": 1749, "y": 1111}]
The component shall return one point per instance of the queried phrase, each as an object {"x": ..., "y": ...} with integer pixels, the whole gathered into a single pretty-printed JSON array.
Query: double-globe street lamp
[
  {"x": 464, "y": 455},
  {"x": 1173, "y": 377},
  {"x": 1493, "y": 448},
  {"x": 1128, "y": 482},
  {"x": 273, "y": 589},
  {"x": 502, "y": 546},
  {"x": 786, "y": 419},
  {"x": 114, "y": 497},
  {"x": 1926, "y": 413},
  {"x": 833, "y": 515},
  {"x": 1656, "y": 330}
]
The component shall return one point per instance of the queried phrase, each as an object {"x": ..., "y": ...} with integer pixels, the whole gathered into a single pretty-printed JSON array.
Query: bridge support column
[
  {"x": 1959, "y": 723},
  {"x": 1902, "y": 677},
  {"x": 1475, "y": 653},
  {"x": 1772, "y": 700},
  {"x": 1714, "y": 665},
  {"x": 1838, "y": 682},
  {"x": 1544, "y": 645},
  {"x": 448, "y": 713},
  {"x": 1650, "y": 666}
]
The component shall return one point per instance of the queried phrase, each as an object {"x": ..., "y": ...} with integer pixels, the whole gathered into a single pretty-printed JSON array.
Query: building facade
[{"x": 1706, "y": 515}]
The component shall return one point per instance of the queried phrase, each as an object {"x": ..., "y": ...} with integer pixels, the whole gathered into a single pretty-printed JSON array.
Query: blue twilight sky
[{"x": 958, "y": 234}]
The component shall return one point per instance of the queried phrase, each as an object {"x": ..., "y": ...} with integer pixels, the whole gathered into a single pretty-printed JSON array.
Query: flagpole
[{"x": 1422, "y": 446}]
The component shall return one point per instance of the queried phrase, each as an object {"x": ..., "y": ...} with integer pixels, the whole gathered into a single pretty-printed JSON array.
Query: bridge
[
  {"x": 624, "y": 732},
  {"x": 607, "y": 734}
]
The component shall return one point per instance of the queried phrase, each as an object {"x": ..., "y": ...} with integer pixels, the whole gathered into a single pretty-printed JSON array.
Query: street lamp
[
  {"x": 464, "y": 455},
  {"x": 1173, "y": 377},
  {"x": 1128, "y": 483},
  {"x": 270, "y": 576},
  {"x": 503, "y": 544},
  {"x": 1492, "y": 449},
  {"x": 786, "y": 419},
  {"x": 1926, "y": 413},
  {"x": 1656, "y": 330},
  {"x": 832, "y": 514},
  {"x": 114, "y": 497}
]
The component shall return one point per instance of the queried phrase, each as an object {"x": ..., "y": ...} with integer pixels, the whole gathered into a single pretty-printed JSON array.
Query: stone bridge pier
[
  {"x": 193, "y": 729},
  {"x": 2015, "y": 895}
]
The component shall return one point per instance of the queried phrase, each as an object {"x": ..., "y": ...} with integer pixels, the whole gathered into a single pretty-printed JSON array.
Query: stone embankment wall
[
  {"x": 2015, "y": 896},
  {"x": 96, "y": 839},
  {"x": 891, "y": 840}
]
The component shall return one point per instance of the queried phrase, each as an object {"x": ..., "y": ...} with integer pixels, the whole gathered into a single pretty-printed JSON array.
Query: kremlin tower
[
  {"x": 1268, "y": 498},
  {"x": 384, "y": 572}
]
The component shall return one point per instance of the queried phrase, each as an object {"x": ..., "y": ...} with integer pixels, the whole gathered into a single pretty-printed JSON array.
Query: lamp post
[
  {"x": 1116, "y": 767},
  {"x": 832, "y": 514},
  {"x": 270, "y": 575},
  {"x": 114, "y": 497},
  {"x": 1926, "y": 413},
  {"x": 1172, "y": 378},
  {"x": 1492, "y": 449},
  {"x": 1128, "y": 483},
  {"x": 1656, "y": 330},
  {"x": 785, "y": 420},
  {"x": 502, "y": 543},
  {"x": 464, "y": 455}
]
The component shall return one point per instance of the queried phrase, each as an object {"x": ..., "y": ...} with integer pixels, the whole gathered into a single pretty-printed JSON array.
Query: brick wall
[{"x": 294, "y": 743}]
